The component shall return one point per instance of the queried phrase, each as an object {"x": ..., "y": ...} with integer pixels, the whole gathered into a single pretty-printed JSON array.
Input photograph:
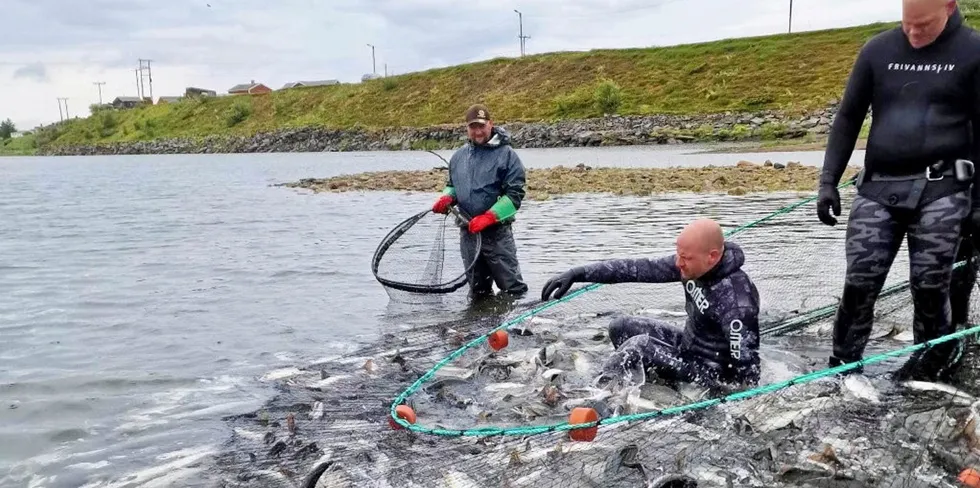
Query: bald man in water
[
  {"x": 921, "y": 81},
  {"x": 718, "y": 348}
]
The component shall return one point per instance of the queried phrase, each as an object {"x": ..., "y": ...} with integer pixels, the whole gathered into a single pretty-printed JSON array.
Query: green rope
[{"x": 701, "y": 405}]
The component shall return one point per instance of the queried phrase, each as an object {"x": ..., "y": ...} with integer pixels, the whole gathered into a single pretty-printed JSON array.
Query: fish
[
  {"x": 905, "y": 336},
  {"x": 316, "y": 413},
  {"x": 582, "y": 363},
  {"x": 496, "y": 387},
  {"x": 280, "y": 374},
  {"x": 320, "y": 385},
  {"x": 940, "y": 388},
  {"x": 858, "y": 386},
  {"x": 536, "y": 320},
  {"x": 454, "y": 372},
  {"x": 553, "y": 375}
]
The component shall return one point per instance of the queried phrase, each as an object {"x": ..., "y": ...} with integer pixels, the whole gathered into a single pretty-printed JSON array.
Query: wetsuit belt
[{"x": 935, "y": 171}]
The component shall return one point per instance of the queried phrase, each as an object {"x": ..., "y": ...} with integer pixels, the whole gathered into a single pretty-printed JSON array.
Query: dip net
[
  {"x": 501, "y": 418},
  {"x": 427, "y": 253}
]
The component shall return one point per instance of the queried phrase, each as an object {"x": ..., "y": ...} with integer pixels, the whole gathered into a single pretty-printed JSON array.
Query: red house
[{"x": 252, "y": 88}]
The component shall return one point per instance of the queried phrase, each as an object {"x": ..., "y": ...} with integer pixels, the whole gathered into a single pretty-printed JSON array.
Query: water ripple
[{"x": 144, "y": 296}]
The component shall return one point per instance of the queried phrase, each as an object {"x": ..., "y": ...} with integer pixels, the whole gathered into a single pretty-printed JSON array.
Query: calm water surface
[{"x": 143, "y": 298}]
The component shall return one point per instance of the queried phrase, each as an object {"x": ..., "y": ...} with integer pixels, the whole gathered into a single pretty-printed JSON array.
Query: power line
[{"x": 99, "y": 84}]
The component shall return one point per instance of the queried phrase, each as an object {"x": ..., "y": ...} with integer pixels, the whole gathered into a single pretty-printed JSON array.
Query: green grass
[
  {"x": 792, "y": 73},
  {"x": 22, "y": 146}
]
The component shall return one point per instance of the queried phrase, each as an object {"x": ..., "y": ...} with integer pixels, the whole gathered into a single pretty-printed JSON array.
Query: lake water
[{"x": 144, "y": 297}]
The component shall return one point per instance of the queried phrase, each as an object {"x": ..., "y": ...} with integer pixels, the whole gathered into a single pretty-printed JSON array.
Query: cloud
[
  {"x": 72, "y": 44},
  {"x": 33, "y": 71}
]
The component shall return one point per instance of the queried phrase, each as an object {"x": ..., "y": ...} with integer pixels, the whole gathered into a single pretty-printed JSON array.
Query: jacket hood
[
  {"x": 952, "y": 24},
  {"x": 732, "y": 260},
  {"x": 498, "y": 137}
]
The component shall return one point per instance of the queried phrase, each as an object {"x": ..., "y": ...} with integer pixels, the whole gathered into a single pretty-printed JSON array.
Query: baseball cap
[{"x": 477, "y": 113}]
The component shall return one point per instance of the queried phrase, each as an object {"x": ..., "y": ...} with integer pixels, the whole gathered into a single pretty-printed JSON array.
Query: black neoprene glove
[
  {"x": 828, "y": 198},
  {"x": 560, "y": 284}
]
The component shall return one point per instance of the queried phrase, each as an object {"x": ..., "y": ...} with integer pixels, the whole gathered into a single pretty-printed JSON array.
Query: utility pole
[
  {"x": 790, "y": 16},
  {"x": 142, "y": 88},
  {"x": 520, "y": 35},
  {"x": 386, "y": 70},
  {"x": 66, "y": 108},
  {"x": 61, "y": 116},
  {"x": 99, "y": 84},
  {"x": 149, "y": 74},
  {"x": 374, "y": 67},
  {"x": 139, "y": 94}
]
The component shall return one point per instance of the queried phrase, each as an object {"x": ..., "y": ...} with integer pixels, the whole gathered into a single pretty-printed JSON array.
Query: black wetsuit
[
  {"x": 925, "y": 107},
  {"x": 721, "y": 340}
]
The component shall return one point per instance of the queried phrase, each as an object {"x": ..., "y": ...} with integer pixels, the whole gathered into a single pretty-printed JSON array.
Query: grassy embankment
[
  {"x": 790, "y": 72},
  {"x": 22, "y": 146}
]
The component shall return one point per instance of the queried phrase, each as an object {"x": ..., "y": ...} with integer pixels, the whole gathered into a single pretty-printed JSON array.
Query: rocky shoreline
[
  {"x": 605, "y": 131},
  {"x": 546, "y": 183}
]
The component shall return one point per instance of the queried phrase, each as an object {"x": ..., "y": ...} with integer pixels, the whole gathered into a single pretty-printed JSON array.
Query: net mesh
[
  {"x": 488, "y": 418},
  {"x": 413, "y": 258}
]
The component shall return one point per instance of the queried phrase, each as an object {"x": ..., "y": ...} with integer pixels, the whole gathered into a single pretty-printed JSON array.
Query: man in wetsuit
[
  {"x": 487, "y": 182},
  {"x": 922, "y": 85},
  {"x": 718, "y": 348}
]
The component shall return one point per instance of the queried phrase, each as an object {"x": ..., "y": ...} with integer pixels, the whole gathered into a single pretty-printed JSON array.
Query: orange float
[
  {"x": 498, "y": 340},
  {"x": 404, "y": 412},
  {"x": 970, "y": 477},
  {"x": 583, "y": 415}
]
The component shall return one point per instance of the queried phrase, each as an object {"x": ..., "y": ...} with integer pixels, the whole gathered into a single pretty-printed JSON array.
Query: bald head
[
  {"x": 706, "y": 233},
  {"x": 699, "y": 248},
  {"x": 924, "y": 20}
]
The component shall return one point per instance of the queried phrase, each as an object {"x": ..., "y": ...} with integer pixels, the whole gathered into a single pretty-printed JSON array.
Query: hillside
[{"x": 790, "y": 73}]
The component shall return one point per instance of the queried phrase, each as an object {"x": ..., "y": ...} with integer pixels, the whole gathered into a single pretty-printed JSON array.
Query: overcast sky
[{"x": 59, "y": 48}]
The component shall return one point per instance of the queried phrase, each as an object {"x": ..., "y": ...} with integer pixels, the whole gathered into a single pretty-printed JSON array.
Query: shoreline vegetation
[
  {"x": 771, "y": 90},
  {"x": 780, "y": 91},
  {"x": 545, "y": 183}
]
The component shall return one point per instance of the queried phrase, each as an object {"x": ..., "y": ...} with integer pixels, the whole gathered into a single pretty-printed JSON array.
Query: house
[
  {"x": 17, "y": 135},
  {"x": 126, "y": 102},
  {"x": 252, "y": 88},
  {"x": 163, "y": 100},
  {"x": 298, "y": 84},
  {"x": 370, "y": 76},
  {"x": 199, "y": 92}
]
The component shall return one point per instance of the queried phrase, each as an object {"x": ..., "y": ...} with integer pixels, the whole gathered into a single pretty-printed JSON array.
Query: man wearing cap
[{"x": 486, "y": 182}]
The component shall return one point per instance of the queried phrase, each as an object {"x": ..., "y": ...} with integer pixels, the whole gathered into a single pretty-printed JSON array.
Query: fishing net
[
  {"x": 426, "y": 254},
  {"x": 502, "y": 418}
]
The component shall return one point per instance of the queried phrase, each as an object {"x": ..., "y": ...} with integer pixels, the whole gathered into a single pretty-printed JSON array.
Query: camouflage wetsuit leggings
[
  {"x": 650, "y": 343},
  {"x": 874, "y": 234}
]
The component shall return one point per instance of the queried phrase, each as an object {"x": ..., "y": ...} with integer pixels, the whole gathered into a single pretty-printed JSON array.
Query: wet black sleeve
[
  {"x": 975, "y": 156},
  {"x": 850, "y": 117},
  {"x": 642, "y": 270}
]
